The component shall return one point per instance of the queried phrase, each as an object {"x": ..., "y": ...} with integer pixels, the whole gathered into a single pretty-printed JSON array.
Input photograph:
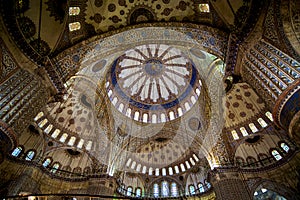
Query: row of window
[
  {"x": 154, "y": 118},
  {"x": 200, "y": 188},
  {"x": 29, "y": 156},
  {"x": 166, "y": 189},
  {"x": 71, "y": 141},
  {"x": 264, "y": 159},
  {"x": 252, "y": 126},
  {"x": 74, "y": 26},
  {"x": 157, "y": 172}
]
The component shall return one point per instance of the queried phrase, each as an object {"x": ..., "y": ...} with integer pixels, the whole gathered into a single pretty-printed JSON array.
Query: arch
[
  {"x": 264, "y": 159},
  {"x": 251, "y": 162},
  {"x": 239, "y": 161}
]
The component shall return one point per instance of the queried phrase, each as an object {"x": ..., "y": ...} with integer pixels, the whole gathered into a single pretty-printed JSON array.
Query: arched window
[
  {"x": 174, "y": 190},
  {"x": 187, "y": 164},
  {"x": 30, "y": 155},
  {"x": 138, "y": 192},
  {"x": 262, "y": 122},
  {"x": 244, "y": 131},
  {"x": 192, "y": 190},
  {"x": 182, "y": 167},
  {"x": 63, "y": 137},
  {"x": 208, "y": 185},
  {"x": 170, "y": 171},
  {"x": 48, "y": 129},
  {"x": 144, "y": 170},
  {"x": 74, "y": 26},
  {"x": 145, "y": 117},
  {"x": 150, "y": 171},
  {"x": 128, "y": 162},
  {"x": 276, "y": 155},
  {"x": 253, "y": 127},
  {"x": 74, "y": 11},
  {"x": 264, "y": 159},
  {"x": 200, "y": 187},
  {"x": 176, "y": 169},
  {"x": 55, "y": 133},
  {"x": 136, "y": 116},
  {"x": 121, "y": 107},
  {"x": 155, "y": 190},
  {"x": 17, "y": 151},
  {"x": 163, "y": 171},
  {"x": 38, "y": 116},
  {"x": 129, "y": 191},
  {"x": 157, "y": 172},
  {"x": 251, "y": 162},
  {"x": 269, "y": 115},
  {"x": 55, "y": 167},
  {"x": 164, "y": 189},
  {"x": 154, "y": 118},
  {"x": 171, "y": 115},
  {"x": 239, "y": 161},
  {"x": 47, "y": 162},
  {"x": 285, "y": 147},
  {"x": 234, "y": 135}
]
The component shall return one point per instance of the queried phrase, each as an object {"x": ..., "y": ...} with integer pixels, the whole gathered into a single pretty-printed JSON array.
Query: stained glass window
[
  {"x": 17, "y": 151},
  {"x": 129, "y": 191},
  {"x": 138, "y": 192},
  {"x": 201, "y": 188},
  {"x": 208, "y": 185},
  {"x": 55, "y": 167},
  {"x": 164, "y": 188},
  {"x": 285, "y": 147},
  {"x": 74, "y": 11},
  {"x": 30, "y": 154},
  {"x": 74, "y": 26},
  {"x": 204, "y": 7},
  {"x": 47, "y": 162},
  {"x": 276, "y": 155},
  {"x": 174, "y": 190},
  {"x": 192, "y": 189},
  {"x": 155, "y": 190}
]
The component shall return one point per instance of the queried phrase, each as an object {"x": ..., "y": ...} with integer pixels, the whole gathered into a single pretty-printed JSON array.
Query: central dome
[{"x": 153, "y": 83}]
